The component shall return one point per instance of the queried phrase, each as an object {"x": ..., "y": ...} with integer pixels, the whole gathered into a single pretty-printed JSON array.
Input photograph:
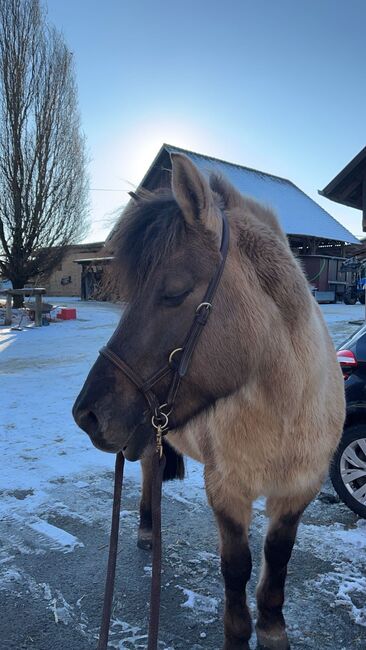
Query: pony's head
[{"x": 167, "y": 248}]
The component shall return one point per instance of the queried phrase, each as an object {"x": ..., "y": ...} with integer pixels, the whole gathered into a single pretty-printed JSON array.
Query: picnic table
[{"x": 26, "y": 291}]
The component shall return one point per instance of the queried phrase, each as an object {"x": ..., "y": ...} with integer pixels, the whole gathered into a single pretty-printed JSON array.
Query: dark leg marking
[
  {"x": 271, "y": 626},
  {"x": 174, "y": 469},
  {"x": 236, "y": 566}
]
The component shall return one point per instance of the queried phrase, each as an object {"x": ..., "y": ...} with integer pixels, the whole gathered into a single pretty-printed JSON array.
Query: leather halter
[
  {"x": 160, "y": 412},
  {"x": 160, "y": 420}
]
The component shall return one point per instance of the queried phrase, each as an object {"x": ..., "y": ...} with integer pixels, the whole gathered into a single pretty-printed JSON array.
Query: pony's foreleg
[
  {"x": 236, "y": 565},
  {"x": 144, "y": 536},
  {"x": 284, "y": 519}
]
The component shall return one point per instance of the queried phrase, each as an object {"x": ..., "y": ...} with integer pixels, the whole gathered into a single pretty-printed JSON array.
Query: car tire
[
  {"x": 351, "y": 457},
  {"x": 349, "y": 297}
]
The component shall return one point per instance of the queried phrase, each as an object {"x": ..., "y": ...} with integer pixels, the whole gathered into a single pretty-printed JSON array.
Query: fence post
[
  {"x": 8, "y": 314},
  {"x": 38, "y": 311}
]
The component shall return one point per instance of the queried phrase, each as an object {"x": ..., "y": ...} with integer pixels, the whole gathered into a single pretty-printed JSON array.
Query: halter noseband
[{"x": 160, "y": 412}]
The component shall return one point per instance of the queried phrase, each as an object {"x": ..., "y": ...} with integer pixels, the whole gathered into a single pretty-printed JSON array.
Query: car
[{"x": 348, "y": 468}]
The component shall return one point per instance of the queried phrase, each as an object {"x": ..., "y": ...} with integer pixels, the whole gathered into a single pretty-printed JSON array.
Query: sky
[{"x": 277, "y": 85}]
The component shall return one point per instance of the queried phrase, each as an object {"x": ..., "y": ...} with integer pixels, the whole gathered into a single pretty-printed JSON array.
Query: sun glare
[{"x": 143, "y": 147}]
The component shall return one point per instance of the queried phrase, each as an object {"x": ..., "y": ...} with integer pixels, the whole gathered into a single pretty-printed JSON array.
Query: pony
[{"x": 262, "y": 404}]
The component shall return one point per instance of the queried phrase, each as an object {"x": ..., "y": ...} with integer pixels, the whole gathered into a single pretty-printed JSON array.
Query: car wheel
[
  {"x": 348, "y": 469},
  {"x": 349, "y": 297}
]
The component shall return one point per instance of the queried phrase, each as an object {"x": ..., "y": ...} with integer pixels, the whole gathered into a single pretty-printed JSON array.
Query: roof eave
[{"x": 330, "y": 191}]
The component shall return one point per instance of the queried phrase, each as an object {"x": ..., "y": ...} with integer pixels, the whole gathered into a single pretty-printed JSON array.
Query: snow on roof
[
  {"x": 93, "y": 259},
  {"x": 297, "y": 212}
]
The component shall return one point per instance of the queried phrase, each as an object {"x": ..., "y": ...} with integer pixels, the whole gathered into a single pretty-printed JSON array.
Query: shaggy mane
[{"x": 152, "y": 227}]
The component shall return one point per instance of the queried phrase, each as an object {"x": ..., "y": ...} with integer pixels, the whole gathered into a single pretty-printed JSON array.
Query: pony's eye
[{"x": 173, "y": 300}]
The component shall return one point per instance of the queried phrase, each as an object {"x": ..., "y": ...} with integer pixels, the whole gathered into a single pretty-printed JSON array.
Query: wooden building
[
  {"x": 349, "y": 186},
  {"x": 92, "y": 269},
  {"x": 65, "y": 279}
]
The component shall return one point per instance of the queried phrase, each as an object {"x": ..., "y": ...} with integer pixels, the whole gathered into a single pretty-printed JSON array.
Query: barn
[
  {"x": 349, "y": 186},
  {"x": 318, "y": 239}
]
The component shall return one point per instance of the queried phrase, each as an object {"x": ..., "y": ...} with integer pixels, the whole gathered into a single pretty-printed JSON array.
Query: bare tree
[{"x": 43, "y": 181}]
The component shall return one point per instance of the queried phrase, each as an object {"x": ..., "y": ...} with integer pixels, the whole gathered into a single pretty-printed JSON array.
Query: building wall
[{"x": 65, "y": 280}]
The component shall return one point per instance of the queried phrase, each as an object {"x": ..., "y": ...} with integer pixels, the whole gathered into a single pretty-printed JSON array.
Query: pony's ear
[
  {"x": 191, "y": 190},
  {"x": 230, "y": 196}
]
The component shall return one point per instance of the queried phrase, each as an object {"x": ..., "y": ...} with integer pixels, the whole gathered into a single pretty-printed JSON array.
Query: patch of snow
[
  {"x": 199, "y": 602},
  {"x": 9, "y": 576},
  {"x": 8, "y": 558},
  {"x": 81, "y": 484},
  {"x": 55, "y": 603},
  {"x": 61, "y": 537},
  {"x": 132, "y": 636},
  {"x": 346, "y": 588},
  {"x": 345, "y": 549},
  {"x": 321, "y": 540}
]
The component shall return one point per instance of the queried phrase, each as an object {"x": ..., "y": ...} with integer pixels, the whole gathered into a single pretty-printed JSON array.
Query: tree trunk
[{"x": 18, "y": 281}]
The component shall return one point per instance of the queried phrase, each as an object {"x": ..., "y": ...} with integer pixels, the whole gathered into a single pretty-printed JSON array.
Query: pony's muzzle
[{"x": 88, "y": 421}]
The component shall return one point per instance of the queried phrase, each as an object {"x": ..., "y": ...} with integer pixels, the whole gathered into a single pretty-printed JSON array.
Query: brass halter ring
[
  {"x": 162, "y": 407},
  {"x": 157, "y": 422},
  {"x": 171, "y": 355},
  {"x": 204, "y": 304}
]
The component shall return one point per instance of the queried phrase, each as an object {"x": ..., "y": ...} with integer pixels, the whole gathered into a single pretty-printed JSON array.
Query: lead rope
[
  {"x": 158, "y": 470},
  {"x": 112, "y": 556}
]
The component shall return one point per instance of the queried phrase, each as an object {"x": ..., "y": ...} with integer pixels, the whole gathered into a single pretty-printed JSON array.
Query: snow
[
  {"x": 350, "y": 540},
  {"x": 297, "y": 212},
  {"x": 57, "y": 535},
  {"x": 41, "y": 372},
  {"x": 199, "y": 602},
  {"x": 348, "y": 589}
]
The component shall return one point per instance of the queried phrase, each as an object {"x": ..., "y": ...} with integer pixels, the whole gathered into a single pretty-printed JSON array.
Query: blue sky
[{"x": 278, "y": 85}]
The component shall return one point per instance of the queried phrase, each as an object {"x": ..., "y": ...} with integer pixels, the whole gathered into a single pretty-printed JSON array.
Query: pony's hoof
[
  {"x": 144, "y": 540},
  {"x": 276, "y": 641}
]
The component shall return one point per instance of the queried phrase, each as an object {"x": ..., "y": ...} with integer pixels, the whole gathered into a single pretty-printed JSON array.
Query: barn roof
[
  {"x": 297, "y": 212},
  {"x": 346, "y": 188}
]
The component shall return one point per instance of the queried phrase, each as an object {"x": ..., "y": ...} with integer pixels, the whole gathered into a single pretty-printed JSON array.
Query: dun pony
[{"x": 262, "y": 404}]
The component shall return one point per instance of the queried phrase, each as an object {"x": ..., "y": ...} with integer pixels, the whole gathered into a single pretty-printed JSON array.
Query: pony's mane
[{"x": 152, "y": 227}]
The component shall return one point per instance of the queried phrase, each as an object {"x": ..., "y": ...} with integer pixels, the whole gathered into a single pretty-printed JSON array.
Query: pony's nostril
[
  {"x": 93, "y": 421},
  {"x": 88, "y": 421}
]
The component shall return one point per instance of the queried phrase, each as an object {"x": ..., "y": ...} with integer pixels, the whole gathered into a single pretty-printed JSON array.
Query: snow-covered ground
[{"x": 56, "y": 492}]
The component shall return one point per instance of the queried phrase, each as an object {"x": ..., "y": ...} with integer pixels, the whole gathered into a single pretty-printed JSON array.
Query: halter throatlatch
[{"x": 177, "y": 365}]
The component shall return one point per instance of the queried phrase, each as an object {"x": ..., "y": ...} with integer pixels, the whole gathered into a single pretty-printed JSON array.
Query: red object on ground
[{"x": 67, "y": 314}]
